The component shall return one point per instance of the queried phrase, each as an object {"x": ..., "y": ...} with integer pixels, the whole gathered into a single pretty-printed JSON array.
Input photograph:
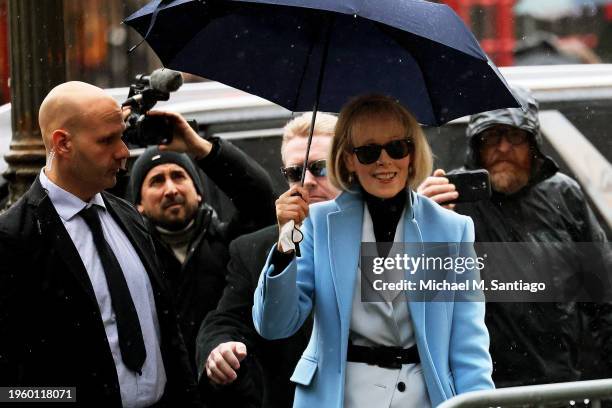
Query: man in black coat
[
  {"x": 191, "y": 241},
  {"x": 265, "y": 372},
  {"x": 241, "y": 368},
  {"x": 82, "y": 301}
]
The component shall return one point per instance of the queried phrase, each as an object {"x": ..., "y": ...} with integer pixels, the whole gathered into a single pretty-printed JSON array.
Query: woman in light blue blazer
[{"x": 397, "y": 350}]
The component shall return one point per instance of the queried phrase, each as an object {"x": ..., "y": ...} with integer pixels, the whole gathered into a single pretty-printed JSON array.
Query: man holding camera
[
  {"x": 190, "y": 240},
  {"x": 531, "y": 343},
  {"x": 82, "y": 300}
]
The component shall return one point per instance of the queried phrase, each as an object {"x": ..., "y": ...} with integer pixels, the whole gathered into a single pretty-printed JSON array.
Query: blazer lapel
[
  {"x": 344, "y": 238},
  {"x": 414, "y": 240},
  {"x": 50, "y": 225}
]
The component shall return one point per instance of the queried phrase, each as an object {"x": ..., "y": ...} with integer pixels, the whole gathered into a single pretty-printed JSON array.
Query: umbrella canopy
[{"x": 297, "y": 53}]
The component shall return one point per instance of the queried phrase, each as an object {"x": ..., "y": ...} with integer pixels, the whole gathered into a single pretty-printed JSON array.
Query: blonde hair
[
  {"x": 300, "y": 127},
  {"x": 367, "y": 106}
]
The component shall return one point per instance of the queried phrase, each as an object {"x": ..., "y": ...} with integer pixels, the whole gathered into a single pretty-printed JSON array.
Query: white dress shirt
[
  {"x": 136, "y": 390},
  {"x": 383, "y": 323}
]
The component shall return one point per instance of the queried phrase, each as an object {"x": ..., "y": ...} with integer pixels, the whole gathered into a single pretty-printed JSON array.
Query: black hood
[{"x": 523, "y": 118}]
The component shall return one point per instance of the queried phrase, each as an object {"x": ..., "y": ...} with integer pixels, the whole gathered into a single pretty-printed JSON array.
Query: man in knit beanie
[{"x": 190, "y": 240}]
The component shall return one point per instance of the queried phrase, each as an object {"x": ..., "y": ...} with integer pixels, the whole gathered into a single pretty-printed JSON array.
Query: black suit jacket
[
  {"x": 197, "y": 283},
  {"x": 51, "y": 330},
  {"x": 269, "y": 363}
]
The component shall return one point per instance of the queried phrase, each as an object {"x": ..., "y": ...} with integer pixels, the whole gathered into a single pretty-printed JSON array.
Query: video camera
[{"x": 145, "y": 92}]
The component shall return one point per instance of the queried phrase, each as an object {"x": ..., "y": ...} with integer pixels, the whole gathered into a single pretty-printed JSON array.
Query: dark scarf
[{"x": 179, "y": 240}]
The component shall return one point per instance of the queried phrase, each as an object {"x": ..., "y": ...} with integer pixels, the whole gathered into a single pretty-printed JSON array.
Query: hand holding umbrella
[{"x": 291, "y": 210}]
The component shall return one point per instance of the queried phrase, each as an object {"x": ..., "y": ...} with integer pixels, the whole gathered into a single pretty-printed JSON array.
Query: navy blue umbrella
[{"x": 297, "y": 53}]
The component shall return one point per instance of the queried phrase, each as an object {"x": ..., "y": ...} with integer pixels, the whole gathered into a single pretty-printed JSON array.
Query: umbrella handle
[
  {"x": 296, "y": 229},
  {"x": 287, "y": 240},
  {"x": 297, "y": 244}
]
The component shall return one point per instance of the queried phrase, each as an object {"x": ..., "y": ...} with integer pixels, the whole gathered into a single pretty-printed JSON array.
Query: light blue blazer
[{"x": 452, "y": 339}]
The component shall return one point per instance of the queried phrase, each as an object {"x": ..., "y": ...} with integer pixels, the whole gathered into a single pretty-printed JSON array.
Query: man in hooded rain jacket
[{"x": 533, "y": 202}]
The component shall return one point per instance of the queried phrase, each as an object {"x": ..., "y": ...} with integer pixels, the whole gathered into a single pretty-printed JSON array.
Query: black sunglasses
[
  {"x": 396, "y": 149},
  {"x": 293, "y": 174}
]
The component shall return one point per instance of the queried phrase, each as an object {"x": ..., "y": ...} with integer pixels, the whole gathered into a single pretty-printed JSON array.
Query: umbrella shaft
[{"x": 315, "y": 108}]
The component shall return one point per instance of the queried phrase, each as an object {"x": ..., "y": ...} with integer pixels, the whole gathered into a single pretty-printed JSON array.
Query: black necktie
[{"x": 131, "y": 342}]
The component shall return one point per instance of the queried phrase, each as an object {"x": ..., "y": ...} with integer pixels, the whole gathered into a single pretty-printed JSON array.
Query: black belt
[{"x": 387, "y": 357}]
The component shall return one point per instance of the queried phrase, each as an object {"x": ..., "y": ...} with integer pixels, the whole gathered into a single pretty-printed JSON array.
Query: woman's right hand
[{"x": 292, "y": 205}]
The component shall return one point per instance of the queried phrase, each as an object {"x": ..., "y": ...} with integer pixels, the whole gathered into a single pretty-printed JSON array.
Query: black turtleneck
[{"x": 385, "y": 213}]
